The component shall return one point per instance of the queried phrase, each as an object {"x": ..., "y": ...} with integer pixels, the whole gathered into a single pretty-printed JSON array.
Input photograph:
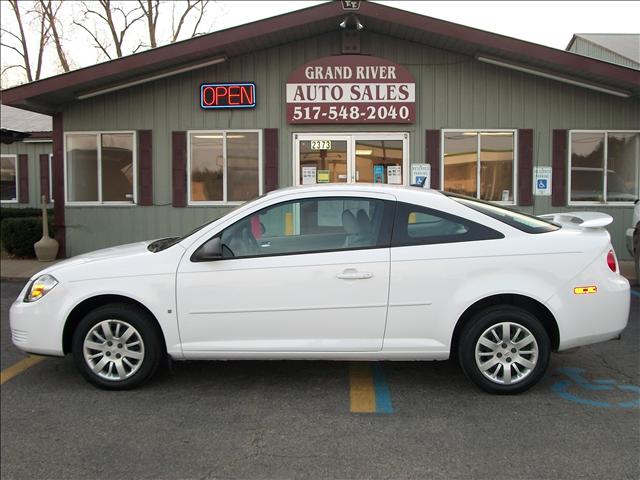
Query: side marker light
[{"x": 585, "y": 290}]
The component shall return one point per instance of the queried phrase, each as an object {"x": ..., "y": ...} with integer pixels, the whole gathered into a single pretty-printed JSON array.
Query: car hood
[{"x": 107, "y": 261}]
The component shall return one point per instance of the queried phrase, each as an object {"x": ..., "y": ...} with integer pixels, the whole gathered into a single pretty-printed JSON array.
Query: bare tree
[
  {"x": 197, "y": 6},
  {"x": 111, "y": 26},
  {"x": 44, "y": 39},
  {"x": 50, "y": 11},
  {"x": 23, "y": 50},
  {"x": 151, "y": 10},
  {"x": 112, "y": 16}
]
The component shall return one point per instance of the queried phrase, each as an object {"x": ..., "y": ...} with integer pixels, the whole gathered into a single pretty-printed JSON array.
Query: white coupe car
[{"x": 340, "y": 272}]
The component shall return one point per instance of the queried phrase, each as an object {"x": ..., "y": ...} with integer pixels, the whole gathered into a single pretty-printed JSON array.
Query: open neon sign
[{"x": 228, "y": 95}]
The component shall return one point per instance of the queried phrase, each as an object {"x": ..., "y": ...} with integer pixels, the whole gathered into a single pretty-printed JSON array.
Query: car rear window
[
  {"x": 521, "y": 221},
  {"x": 417, "y": 225}
]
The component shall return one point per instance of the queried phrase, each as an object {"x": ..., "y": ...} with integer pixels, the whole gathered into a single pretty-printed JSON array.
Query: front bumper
[{"x": 36, "y": 327}]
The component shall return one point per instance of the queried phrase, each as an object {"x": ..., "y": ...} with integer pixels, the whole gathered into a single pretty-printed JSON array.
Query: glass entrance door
[
  {"x": 353, "y": 158},
  {"x": 323, "y": 159}
]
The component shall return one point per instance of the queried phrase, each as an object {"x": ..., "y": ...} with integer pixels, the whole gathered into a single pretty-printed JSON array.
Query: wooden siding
[
  {"x": 453, "y": 91},
  {"x": 33, "y": 152}
]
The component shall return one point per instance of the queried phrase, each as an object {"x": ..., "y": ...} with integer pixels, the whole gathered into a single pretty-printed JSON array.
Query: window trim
[
  {"x": 99, "y": 202},
  {"x": 17, "y": 177},
  {"x": 513, "y": 131},
  {"x": 605, "y": 168},
  {"x": 224, "y": 202}
]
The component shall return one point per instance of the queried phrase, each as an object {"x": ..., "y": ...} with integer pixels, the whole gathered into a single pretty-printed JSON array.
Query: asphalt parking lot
[{"x": 300, "y": 420}]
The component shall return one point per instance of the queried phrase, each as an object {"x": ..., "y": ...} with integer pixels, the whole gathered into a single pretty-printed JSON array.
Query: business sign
[
  {"x": 378, "y": 174},
  {"x": 351, "y": 89},
  {"x": 323, "y": 176},
  {"x": 421, "y": 172},
  {"x": 227, "y": 95},
  {"x": 394, "y": 175},
  {"x": 542, "y": 181},
  {"x": 308, "y": 175}
]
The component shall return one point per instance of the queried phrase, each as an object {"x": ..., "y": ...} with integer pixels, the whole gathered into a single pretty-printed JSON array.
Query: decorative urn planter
[{"x": 46, "y": 248}]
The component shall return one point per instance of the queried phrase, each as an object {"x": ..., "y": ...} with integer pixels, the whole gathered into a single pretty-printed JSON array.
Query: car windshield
[{"x": 521, "y": 221}]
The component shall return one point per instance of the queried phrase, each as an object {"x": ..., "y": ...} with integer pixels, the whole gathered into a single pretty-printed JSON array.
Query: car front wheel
[
  {"x": 116, "y": 347},
  {"x": 504, "y": 350}
]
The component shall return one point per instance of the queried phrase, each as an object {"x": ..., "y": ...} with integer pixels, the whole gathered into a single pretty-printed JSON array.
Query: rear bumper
[{"x": 592, "y": 318}]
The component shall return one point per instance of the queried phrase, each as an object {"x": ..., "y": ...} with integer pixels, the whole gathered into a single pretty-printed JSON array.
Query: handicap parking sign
[{"x": 542, "y": 181}]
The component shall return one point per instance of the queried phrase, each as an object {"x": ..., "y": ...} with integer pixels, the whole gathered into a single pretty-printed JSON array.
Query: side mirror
[{"x": 209, "y": 251}]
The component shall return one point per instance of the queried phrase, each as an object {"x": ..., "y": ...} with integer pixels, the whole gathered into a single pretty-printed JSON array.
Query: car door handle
[
  {"x": 265, "y": 244},
  {"x": 352, "y": 274}
]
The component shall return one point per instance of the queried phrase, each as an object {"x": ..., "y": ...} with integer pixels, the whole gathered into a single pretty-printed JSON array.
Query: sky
[{"x": 550, "y": 23}]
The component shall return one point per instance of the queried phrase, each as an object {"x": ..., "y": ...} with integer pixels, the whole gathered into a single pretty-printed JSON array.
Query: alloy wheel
[
  {"x": 113, "y": 350},
  {"x": 506, "y": 353}
]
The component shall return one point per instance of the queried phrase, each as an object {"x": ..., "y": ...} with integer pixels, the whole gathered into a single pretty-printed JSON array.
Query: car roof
[{"x": 399, "y": 190}]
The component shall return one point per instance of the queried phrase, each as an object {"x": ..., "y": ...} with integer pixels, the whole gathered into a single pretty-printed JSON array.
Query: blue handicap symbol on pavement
[
  {"x": 542, "y": 183},
  {"x": 599, "y": 385}
]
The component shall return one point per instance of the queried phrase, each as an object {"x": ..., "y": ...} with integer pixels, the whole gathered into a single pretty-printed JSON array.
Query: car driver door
[{"x": 301, "y": 275}]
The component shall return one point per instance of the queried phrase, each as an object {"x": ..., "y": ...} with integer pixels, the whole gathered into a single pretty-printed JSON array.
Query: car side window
[
  {"x": 416, "y": 225},
  {"x": 311, "y": 225}
]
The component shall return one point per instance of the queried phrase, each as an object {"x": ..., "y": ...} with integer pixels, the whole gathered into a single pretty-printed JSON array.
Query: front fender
[{"x": 155, "y": 292}]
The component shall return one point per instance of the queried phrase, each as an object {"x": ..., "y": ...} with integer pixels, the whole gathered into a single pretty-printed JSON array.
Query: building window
[
  {"x": 224, "y": 166},
  {"x": 480, "y": 164},
  {"x": 9, "y": 178},
  {"x": 591, "y": 154},
  {"x": 100, "y": 168}
]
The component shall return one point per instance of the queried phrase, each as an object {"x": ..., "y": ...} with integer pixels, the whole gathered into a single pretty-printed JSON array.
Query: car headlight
[{"x": 40, "y": 287}]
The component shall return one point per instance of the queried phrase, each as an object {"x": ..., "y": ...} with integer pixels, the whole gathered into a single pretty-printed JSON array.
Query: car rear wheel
[
  {"x": 117, "y": 347},
  {"x": 504, "y": 350}
]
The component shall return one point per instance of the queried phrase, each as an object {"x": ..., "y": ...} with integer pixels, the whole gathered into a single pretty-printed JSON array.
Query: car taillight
[{"x": 611, "y": 260}]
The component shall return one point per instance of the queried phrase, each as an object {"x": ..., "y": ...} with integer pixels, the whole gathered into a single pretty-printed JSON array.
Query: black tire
[
  {"x": 148, "y": 351},
  {"x": 483, "y": 322}
]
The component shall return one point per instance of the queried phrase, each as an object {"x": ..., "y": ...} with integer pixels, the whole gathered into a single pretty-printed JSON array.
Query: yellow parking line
[
  {"x": 17, "y": 368},
  {"x": 362, "y": 392}
]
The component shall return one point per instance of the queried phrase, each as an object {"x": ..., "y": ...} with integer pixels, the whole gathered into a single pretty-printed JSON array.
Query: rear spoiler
[{"x": 580, "y": 219}]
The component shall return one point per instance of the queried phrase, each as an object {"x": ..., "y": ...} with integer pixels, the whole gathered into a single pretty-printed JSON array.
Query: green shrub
[
  {"x": 19, "y": 234},
  {"x": 11, "y": 212}
]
